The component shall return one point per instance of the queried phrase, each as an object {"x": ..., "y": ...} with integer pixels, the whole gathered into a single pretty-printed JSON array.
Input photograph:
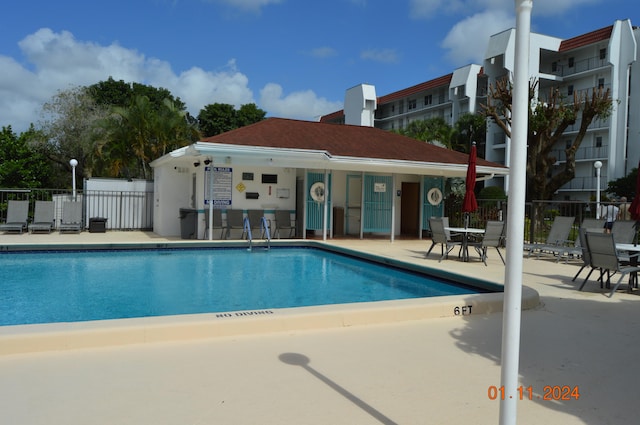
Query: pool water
[{"x": 44, "y": 287}]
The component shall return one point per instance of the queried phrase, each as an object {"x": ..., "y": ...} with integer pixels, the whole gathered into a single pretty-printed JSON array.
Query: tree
[
  {"x": 470, "y": 128},
  {"x": 433, "y": 130},
  {"x": 21, "y": 166},
  {"x": 140, "y": 133},
  {"x": 218, "y": 118},
  {"x": 72, "y": 129},
  {"x": 548, "y": 121},
  {"x": 624, "y": 186}
]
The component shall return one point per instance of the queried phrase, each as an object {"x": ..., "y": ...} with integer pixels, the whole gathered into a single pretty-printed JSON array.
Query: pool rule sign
[{"x": 217, "y": 186}]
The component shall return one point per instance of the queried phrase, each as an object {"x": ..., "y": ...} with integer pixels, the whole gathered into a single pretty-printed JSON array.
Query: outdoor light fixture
[
  {"x": 196, "y": 164},
  {"x": 597, "y": 165},
  {"x": 74, "y": 163},
  {"x": 207, "y": 161}
]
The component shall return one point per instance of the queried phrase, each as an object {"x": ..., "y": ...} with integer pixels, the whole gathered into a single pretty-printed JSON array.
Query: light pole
[
  {"x": 597, "y": 165},
  {"x": 74, "y": 164}
]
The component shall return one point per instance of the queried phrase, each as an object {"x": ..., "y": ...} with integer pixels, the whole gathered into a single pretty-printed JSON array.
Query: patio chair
[
  {"x": 623, "y": 231},
  {"x": 217, "y": 222},
  {"x": 71, "y": 217},
  {"x": 284, "y": 222},
  {"x": 235, "y": 221},
  {"x": 17, "y": 216},
  {"x": 441, "y": 236},
  {"x": 557, "y": 240},
  {"x": 584, "y": 252},
  {"x": 42, "y": 217},
  {"x": 494, "y": 231},
  {"x": 604, "y": 256},
  {"x": 255, "y": 222}
]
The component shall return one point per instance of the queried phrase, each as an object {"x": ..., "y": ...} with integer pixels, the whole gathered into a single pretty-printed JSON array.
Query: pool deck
[{"x": 422, "y": 371}]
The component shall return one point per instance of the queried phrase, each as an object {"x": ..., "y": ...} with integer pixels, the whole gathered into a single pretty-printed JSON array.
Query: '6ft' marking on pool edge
[{"x": 465, "y": 310}]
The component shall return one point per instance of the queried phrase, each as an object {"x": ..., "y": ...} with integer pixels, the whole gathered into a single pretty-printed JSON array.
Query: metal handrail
[{"x": 247, "y": 228}]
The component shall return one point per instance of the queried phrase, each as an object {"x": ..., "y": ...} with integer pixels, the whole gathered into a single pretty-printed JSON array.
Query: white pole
[
  {"x": 515, "y": 229},
  {"x": 74, "y": 164},
  {"x": 598, "y": 166},
  {"x": 210, "y": 201}
]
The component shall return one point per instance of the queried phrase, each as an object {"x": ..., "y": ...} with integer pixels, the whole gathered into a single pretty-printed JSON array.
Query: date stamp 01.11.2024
[{"x": 549, "y": 392}]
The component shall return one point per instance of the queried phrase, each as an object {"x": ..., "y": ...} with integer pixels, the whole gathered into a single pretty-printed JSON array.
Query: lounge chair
[
  {"x": 440, "y": 236},
  {"x": 217, "y": 222},
  {"x": 71, "y": 217},
  {"x": 42, "y": 217},
  {"x": 493, "y": 234},
  {"x": 284, "y": 222},
  {"x": 604, "y": 256},
  {"x": 17, "y": 216},
  {"x": 558, "y": 239},
  {"x": 235, "y": 221}
]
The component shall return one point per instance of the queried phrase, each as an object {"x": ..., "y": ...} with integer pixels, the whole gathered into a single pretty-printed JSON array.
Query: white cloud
[
  {"x": 380, "y": 55},
  {"x": 323, "y": 52},
  {"x": 58, "y": 61},
  {"x": 301, "y": 105},
  {"x": 467, "y": 41}
]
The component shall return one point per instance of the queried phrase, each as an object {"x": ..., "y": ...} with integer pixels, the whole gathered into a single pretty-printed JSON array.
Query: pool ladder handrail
[{"x": 264, "y": 227}]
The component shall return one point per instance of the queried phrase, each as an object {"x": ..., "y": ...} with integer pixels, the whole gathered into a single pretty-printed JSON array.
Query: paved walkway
[{"x": 436, "y": 371}]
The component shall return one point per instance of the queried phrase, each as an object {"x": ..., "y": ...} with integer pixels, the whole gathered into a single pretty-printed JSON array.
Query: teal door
[{"x": 433, "y": 199}]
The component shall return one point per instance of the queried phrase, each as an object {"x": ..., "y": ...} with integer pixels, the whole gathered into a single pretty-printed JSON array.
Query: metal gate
[
  {"x": 378, "y": 202},
  {"x": 315, "y": 204}
]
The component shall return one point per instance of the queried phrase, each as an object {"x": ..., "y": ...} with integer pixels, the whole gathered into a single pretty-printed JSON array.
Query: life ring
[
  {"x": 434, "y": 196},
  {"x": 317, "y": 191}
]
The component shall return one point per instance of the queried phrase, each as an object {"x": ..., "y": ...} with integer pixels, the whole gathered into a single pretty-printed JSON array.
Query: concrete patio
[{"x": 432, "y": 371}]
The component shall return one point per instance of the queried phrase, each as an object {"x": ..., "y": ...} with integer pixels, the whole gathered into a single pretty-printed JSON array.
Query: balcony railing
[
  {"x": 583, "y": 153},
  {"x": 578, "y": 66},
  {"x": 588, "y": 184}
]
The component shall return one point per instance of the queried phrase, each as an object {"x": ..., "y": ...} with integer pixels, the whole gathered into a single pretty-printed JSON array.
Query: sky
[{"x": 292, "y": 58}]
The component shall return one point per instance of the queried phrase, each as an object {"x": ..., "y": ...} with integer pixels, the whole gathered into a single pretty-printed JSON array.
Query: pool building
[{"x": 333, "y": 179}]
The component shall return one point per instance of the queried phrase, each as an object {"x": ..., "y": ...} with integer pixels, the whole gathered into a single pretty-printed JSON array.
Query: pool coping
[{"x": 20, "y": 339}]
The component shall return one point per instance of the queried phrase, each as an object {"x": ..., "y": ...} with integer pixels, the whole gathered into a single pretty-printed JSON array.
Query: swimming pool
[{"x": 75, "y": 286}]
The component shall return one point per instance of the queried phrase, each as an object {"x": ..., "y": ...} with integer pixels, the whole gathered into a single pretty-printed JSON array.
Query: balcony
[
  {"x": 583, "y": 65},
  {"x": 585, "y": 184},
  {"x": 584, "y": 153}
]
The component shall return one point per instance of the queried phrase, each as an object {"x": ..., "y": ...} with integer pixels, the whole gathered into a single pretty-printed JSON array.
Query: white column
[{"x": 515, "y": 241}]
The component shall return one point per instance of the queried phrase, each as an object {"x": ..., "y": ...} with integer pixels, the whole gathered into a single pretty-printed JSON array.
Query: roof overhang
[{"x": 225, "y": 154}]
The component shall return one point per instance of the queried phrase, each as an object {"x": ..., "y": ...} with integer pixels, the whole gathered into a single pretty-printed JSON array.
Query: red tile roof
[
  {"x": 586, "y": 39},
  {"x": 340, "y": 140},
  {"x": 427, "y": 85}
]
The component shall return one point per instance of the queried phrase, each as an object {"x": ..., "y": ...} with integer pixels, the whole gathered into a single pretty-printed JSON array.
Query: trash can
[
  {"x": 188, "y": 223},
  {"x": 97, "y": 225}
]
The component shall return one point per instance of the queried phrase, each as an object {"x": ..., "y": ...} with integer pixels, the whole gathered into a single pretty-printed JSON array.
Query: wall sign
[{"x": 217, "y": 186}]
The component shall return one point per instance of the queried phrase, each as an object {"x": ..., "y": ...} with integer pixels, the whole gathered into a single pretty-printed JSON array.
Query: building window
[
  {"x": 571, "y": 62},
  {"x": 600, "y": 83},
  {"x": 411, "y": 104},
  {"x": 428, "y": 99},
  {"x": 554, "y": 66},
  {"x": 598, "y": 141},
  {"x": 567, "y": 144},
  {"x": 570, "y": 90},
  {"x": 603, "y": 54}
]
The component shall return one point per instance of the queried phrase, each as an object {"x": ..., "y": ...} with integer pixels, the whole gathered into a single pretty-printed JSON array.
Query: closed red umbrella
[
  {"x": 634, "y": 208},
  {"x": 469, "y": 204}
]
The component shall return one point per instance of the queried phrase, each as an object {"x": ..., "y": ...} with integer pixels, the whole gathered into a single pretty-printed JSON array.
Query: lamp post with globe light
[
  {"x": 74, "y": 163},
  {"x": 597, "y": 165}
]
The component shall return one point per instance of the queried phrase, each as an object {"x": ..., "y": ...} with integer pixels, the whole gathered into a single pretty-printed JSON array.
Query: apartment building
[{"x": 604, "y": 58}]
